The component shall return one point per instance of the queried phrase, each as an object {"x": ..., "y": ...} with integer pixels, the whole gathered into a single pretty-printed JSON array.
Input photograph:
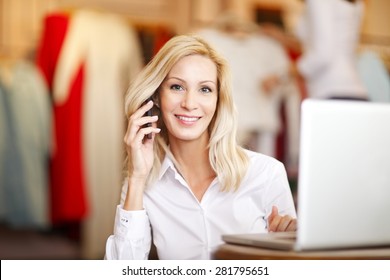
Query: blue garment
[
  {"x": 375, "y": 77},
  {"x": 14, "y": 201},
  {"x": 25, "y": 105},
  {"x": 3, "y": 138}
]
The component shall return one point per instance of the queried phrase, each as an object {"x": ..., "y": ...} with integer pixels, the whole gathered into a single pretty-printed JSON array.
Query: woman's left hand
[{"x": 277, "y": 222}]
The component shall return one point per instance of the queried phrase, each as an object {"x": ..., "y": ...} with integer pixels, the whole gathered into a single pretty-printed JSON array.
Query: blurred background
[{"x": 65, "y": 67}]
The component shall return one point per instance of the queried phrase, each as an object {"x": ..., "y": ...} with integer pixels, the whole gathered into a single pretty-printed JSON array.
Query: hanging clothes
[
  {"x": 328, "y": 62},
  {"x": 25, "y": 149},
  {"x": 252, "y": 58},
  {"x": 151, "y": 39},
  {"x": 3, "y": 148},
  {"x": 162, "y": 36},
  {"x": 13, "y": 198},
  {"x": 374, "y": 75},
  {"x": 103, "y": 51},
  {"x": 67, "y": 182}
]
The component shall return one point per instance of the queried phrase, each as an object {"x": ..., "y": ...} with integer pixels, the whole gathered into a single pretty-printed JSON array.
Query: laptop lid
[
  {"x": 343, "y": 180},
  {"x": 344, "y": 174}
]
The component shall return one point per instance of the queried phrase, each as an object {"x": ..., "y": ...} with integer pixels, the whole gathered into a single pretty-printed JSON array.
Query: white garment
[
  {"x": 330, "y": 33},
  {"x": 184, "y": 228},
  {"x": 252, "y": 59},
  {"x": 110, "y": 49}
]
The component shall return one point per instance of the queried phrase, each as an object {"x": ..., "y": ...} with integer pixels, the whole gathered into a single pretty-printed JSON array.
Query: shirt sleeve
[
  {"x": 132, "y": 236},
  {"x": 279, "y": 193}
]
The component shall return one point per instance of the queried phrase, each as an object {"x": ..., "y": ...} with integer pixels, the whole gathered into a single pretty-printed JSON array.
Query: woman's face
[{"x": 188, "y": 98}]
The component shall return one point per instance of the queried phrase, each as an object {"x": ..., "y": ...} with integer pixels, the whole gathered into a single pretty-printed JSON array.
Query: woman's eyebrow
[
  {"x": 177, "y": 78},
  {"x": 208, "y": 81},
  {"x": 173, "y": 77}
]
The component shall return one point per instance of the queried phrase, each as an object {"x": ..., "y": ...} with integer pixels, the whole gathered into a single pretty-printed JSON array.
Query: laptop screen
[{"x": 344, "y": 174}]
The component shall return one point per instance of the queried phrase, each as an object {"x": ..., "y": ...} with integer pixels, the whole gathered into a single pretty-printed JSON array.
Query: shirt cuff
[{"x": 130, "y": 224}]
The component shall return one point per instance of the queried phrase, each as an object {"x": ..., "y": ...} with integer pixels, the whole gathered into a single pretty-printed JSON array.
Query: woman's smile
[{"x": 187, "y": 120}]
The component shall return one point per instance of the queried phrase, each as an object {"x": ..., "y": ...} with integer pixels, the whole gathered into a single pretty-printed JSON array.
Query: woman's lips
[{"x": 187, "y": 119}]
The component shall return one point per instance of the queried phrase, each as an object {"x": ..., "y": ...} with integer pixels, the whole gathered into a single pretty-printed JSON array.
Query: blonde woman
[{"x": 189, "y": 182}]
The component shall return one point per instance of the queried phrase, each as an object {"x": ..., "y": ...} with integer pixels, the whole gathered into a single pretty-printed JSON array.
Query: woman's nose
[{"x": 189, "y": 101}]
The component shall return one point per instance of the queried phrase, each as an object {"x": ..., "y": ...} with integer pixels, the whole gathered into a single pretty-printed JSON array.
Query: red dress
[{"x": 67, "y": 182}]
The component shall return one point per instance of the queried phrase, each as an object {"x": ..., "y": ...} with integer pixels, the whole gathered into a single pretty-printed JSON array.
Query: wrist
[
  {"x": 134, "y": 197},
  {"x": 135, "y": 180}
]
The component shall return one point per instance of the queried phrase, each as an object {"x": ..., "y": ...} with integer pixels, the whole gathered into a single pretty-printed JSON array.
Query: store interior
[{"x": 69, "y": 64}]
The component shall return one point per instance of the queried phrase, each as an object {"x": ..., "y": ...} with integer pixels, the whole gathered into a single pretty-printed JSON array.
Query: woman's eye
[
  {"x": 205, "y": 90},
  {"x": 176, "y": 87}
]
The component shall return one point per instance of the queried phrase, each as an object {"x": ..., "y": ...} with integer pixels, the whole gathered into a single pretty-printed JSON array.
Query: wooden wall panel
[
  {"x": 21, "y": 20},
  {"x": 20, "y": 24}
]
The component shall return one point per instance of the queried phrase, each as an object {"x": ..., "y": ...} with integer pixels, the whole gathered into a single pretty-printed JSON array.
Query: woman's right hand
[{"x": 139, "y": 147}]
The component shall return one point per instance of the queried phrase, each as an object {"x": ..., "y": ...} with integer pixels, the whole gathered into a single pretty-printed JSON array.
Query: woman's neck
[
  {"x": 190, "y": 154},
  {"x": 193, "y": 162}
]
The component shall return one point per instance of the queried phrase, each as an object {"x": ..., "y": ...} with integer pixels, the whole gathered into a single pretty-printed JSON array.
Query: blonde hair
[{"x": 228, "y": 160}]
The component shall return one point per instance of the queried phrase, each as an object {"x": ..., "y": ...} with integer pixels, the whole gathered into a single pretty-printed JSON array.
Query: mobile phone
[{"x": 148, "y": 114}]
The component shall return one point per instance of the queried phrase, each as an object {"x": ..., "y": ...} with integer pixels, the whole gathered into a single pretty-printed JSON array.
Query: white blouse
[{"x": 184, "y": 228}]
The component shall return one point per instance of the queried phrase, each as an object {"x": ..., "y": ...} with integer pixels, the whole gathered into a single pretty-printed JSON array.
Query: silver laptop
[{"x": 343, "y": 181}]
